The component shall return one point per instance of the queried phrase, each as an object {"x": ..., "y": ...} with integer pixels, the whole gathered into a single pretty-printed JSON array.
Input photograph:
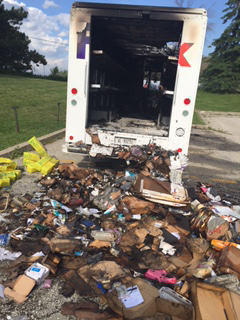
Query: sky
[{"x": 48, "y": 20}]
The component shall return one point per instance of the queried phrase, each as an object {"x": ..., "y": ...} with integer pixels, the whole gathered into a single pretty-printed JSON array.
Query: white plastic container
[
  {"x": 37, "y": 272},
  {"x": 170, "y": 295},
  {"x": 103, "y": 235}
]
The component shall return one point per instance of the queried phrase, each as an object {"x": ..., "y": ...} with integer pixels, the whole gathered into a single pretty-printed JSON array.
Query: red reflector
[
  {"x": 74, "y": 91},
  {"x": 187, "y": 101},
  {"x": 71, "y": 138},
  {"x": 179, "y": 150}
]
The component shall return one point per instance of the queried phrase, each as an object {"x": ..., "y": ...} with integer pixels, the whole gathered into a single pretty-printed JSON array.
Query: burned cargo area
[
  {"x": 132, "y": 73},
  {"x": 120, "y": 244}
]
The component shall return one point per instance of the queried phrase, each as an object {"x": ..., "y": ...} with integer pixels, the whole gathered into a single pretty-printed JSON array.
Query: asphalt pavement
[
  {"x": 212, "y": 155},
  {"x": 214, "y": 152}
]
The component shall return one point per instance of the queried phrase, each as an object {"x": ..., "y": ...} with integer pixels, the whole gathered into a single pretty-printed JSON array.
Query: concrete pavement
[{"x": 213, "y": 157}]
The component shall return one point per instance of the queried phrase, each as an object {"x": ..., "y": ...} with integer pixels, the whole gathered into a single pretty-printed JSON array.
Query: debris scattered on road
[{"x": 138, "y": 238}]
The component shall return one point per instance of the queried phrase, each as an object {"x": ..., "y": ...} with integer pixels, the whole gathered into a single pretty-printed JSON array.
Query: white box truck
[{"x": 133, "y": 74}]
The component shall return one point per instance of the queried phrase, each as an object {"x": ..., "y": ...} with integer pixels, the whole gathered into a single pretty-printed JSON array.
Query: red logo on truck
[{"x": 182, "y": 60}]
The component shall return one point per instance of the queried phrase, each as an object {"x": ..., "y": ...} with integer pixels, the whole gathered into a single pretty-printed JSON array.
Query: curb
[
  {"x": 218, "y": 113},
  {"x": 22, "y": 147},
  {"x": 199, "y": 126}
]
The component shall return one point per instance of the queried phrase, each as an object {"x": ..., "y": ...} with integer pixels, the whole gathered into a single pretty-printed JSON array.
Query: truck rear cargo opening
[{"x": 133, "y": 74}]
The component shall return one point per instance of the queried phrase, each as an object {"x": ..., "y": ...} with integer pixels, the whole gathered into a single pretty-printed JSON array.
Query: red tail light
[{"x": 74, "y": 91}]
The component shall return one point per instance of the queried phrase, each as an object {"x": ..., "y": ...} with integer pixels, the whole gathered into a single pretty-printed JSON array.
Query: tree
[
  {"x": 223, "y": 72},
  {"x": 14, "y": 51},
  {"x": 54, "y": 71}
]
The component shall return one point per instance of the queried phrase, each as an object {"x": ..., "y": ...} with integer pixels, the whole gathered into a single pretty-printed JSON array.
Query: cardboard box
[
  {"x": 146, "y": 309},
  {"x": 175, "y": 309},
  {"x": 230, "y": 258},
  {"x": 214, "y": 303},
  {"x": 13, "y": 295},
  {"x": 21, "y": 289},
  {"x": 161, "y": 191}
]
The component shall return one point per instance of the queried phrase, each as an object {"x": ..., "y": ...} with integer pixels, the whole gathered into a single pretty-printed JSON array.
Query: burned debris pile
[{"x": 137, "y": 238}]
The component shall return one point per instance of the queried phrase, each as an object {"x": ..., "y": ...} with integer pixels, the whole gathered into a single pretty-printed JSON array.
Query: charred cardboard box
[
  {"x": 151, "y": 303},
  {"x": 161, "y": 191},
  {"x": 174, "y": 309},
  {"x": 230, "y": 257},
  {"x": 214, "y": 303},
  {"x": 146, "y": 309}
]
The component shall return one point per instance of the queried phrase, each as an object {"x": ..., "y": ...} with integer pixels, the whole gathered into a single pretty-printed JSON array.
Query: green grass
[
  {"x": 37, "y": 113},
  {"x": 37, "y": 101},
  {"x": 217, "y": 102},
  {"x": 197, "y": 119}
]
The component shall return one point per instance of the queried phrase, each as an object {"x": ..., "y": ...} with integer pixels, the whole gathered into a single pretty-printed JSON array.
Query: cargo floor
[{"x": 133, "y": 125}]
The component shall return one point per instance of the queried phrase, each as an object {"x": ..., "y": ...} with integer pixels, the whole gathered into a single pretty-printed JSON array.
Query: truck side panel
[
  {"x": 78, "y": 70},
  {"x": 189, "y": 64}
]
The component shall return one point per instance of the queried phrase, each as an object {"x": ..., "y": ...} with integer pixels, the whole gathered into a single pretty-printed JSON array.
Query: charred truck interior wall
[{"x": 133, "y": 68}]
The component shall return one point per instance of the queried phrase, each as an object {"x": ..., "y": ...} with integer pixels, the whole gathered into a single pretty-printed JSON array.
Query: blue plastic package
[{"x": 4, "y": 239}]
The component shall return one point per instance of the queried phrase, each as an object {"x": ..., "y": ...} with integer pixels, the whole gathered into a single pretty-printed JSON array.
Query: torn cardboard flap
[
  {"x": 175, "y": 309},
  {"x": 21, "y": 289},
  {"x": 100, "y": 244},
  {"x": 230, "y": 257},
  {"x": 102, "y": 272},
  {"x": 13, "y": 295},
  {"x": 51, "y": 261},
  {"x": 216, "y": 228},
  {"x": 77, "y": 282},
  {"x": 137, "y": 206}
]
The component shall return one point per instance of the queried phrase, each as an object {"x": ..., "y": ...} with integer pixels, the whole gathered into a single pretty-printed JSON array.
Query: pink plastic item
[
  {"x": 47, "y": 284},
  {"x": 160, "y": 276}
]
